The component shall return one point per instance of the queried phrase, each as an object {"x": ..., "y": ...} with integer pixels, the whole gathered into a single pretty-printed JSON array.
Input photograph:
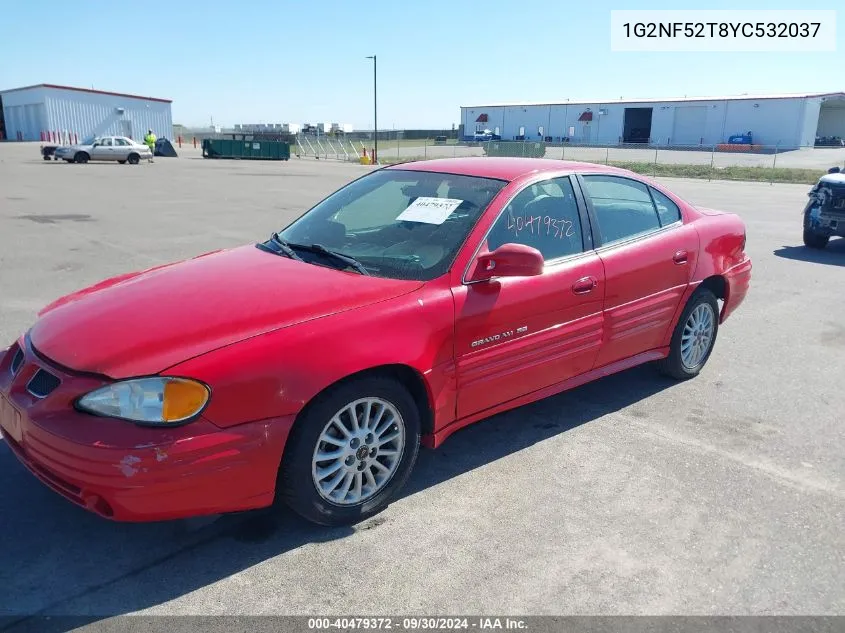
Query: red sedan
[{"x": 410, "y": 303}]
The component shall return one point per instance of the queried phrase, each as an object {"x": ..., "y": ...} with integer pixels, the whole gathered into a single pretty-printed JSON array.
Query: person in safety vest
[{"x": 150, "y": 141}]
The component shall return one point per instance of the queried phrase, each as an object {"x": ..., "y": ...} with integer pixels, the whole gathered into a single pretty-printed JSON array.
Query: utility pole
[{"x": 375, "y": 109}]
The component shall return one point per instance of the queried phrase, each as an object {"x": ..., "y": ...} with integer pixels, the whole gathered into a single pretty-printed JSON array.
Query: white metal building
[
  {"x": 788, "y": 121},
  {"x": 61, "y": 113}
]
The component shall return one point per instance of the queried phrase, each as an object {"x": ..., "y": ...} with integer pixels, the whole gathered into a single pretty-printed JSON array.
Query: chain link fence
[
  {"x": 773, "y": 163},
  {"x": 766, "y": 163}
]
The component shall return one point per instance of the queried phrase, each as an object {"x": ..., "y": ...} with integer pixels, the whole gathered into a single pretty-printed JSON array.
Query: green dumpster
[
  {"x": 243, "y": 149},
  {"x": 526, "y": 149}
]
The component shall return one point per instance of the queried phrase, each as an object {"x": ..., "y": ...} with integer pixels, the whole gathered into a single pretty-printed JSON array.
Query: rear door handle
[
  {"x": 680, "y": 257},
  {"x": 584, "y": 285}
]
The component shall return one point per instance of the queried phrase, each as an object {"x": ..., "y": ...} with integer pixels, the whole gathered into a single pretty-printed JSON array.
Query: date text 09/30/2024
[{"x": 417, "y": 623}]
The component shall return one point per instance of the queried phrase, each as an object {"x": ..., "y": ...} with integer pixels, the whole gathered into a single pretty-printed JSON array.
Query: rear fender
[{"x": 723, "y": 239}]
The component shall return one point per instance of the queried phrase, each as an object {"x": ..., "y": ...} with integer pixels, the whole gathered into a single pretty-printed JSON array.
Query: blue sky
[{"x": 265, "y": 61}]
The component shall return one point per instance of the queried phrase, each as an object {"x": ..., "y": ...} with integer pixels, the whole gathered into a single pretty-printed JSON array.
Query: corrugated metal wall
[
  {"x": 94, "y": 114},
  {"x": 73, "y": 113},
  {"x": 24, "y": 114},
  {"x": 775, "y": 122}
]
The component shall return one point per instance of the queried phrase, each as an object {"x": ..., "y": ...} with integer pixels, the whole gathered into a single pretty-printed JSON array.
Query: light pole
[{"x": 375, "y": 110}]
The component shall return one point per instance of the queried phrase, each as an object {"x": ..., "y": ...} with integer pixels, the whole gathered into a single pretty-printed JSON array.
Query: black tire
[
  {"x": 815, "y": 240},
  {"x": 673, "y": 365},
  {"x": 46, "y": 157},
  {"x": 81, "y": 157},
  {"x": 296, "y": 485},
  {"x": 134, "y": 159},
  {"x": 122, "y": 162}
]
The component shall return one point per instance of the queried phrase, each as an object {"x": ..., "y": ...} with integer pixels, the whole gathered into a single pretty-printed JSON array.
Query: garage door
[{"x": 690, "y": 122}]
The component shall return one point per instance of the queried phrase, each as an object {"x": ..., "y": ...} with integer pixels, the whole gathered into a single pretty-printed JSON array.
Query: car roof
[{"x": 505, "y": 168}]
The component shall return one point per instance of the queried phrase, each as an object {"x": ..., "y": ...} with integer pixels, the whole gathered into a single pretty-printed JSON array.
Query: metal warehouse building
[
  {"x": 787, "y": 121},
  {"x": 62, "y": 113}
]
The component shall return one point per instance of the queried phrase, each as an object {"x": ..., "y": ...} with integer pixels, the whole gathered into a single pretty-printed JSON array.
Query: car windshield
[
  {"x": 397, "y": 223},
  {"x": 88, "y": 140}
]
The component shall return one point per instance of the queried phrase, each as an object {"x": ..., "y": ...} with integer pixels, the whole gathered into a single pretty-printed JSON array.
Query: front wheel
[
  {"x": 351, "y": 452},
  {"x": 815, "y": 240},
  {"x": 81, "y": 157},
  {"x": 693, "y": 338},
  {"x": 134, "y": 159}
]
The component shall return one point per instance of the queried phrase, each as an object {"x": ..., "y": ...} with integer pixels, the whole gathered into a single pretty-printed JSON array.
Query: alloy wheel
[
  {"x": 358, "y": 451},
  {"x": 697, "y": 335}
]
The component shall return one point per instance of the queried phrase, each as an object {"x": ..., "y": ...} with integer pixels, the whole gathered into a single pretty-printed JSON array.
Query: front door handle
[
  {"x": 584, "y": 285},
  {"x": 680, "y": 257}
]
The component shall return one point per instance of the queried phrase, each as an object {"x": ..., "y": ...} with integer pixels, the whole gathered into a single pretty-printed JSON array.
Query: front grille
[
  {"x": 42, "y": 384},
  {"x": 17, "y": 362},
  {"x": 832, "y": 211}
]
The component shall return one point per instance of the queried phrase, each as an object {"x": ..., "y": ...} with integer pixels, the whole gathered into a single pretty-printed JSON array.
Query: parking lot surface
[{"x": 632, "y": 495}]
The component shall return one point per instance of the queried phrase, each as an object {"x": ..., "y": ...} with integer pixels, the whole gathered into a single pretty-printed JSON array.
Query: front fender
[{"x": 278, "y": 373}]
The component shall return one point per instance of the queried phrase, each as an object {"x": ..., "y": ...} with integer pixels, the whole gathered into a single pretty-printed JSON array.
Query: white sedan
[{"x": 110, "y": 148}]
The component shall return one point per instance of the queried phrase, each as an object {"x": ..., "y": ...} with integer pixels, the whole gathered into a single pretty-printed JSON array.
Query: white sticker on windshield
[{"x": 429, "y": 210}]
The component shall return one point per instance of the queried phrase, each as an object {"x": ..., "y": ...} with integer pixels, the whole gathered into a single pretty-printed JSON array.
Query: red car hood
[{"x": 145, "y": 322}]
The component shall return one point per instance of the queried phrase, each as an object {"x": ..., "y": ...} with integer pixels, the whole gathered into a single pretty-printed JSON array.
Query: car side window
[
  {"x": 121, "y": 142},
  {"x": 544, "y": 216},
  {"x": 667, "y": 210},
  {"x": 106, "y": 141},
  {"x": 623, "y": 207}
]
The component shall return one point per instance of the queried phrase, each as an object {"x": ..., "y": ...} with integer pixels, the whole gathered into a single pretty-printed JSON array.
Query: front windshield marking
[
  {"x": 398, "y": 223},
  {"x": 429, "y": 210}
]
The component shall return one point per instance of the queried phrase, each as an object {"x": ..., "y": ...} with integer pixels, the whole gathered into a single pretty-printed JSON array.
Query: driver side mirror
[{"x": 509, "y": 260}]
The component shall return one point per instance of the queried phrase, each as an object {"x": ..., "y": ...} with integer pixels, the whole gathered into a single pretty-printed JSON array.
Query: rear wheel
[
  {"x": 81, "y": 157},
  {"x": 693, "y": 338},
  {"x": 351, "y": 452},
  {"x": 134, "y": 159},
  {"x": 815, "y": 240}
]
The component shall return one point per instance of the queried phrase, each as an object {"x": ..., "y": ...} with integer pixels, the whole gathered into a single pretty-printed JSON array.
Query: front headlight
[{"x": 159, "y": 401}]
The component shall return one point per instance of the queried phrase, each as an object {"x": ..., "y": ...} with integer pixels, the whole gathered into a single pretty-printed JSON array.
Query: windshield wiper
[
  {"x": 349, "y": 261},
  {"x": 283, "y": 245},
  {"x": 287, "y": 248}
]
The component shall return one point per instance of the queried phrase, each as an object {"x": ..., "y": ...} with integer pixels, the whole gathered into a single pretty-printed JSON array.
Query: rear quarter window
[{"x": 667, "y": 211}]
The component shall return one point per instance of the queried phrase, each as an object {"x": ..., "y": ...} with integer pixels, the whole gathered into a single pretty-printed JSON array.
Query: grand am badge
[{"x": 499, "y": 337}]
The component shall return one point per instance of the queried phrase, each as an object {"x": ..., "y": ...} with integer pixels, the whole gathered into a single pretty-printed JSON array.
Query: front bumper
[
  {"x": 826, "y": 221},
  {"x": 126, "y": 472}
]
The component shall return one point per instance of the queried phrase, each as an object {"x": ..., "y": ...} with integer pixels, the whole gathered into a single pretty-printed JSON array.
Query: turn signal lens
[{"x": 182, "y": 399}]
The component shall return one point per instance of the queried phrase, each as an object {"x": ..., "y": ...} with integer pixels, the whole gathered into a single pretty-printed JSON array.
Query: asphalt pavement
[{"x": 724, "y": 495}]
